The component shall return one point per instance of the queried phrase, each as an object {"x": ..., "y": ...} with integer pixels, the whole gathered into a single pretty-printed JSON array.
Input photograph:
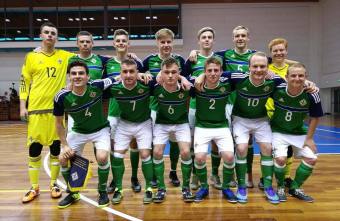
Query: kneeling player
[
  {"x": 291, "y": 107},
  {"x": 171, "y": 120},
  {"x": 84, "y": 104}
]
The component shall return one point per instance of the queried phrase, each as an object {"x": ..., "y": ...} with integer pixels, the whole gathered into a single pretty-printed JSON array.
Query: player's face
[
  {"x": 240, "y": 38},
  {"x": 49, "y": 35},
  {"x": 170, "y": 74},
  {"x": 206, "y": 40},
  {"x": 128, "y": 73},
  {"x": 296, "y": 77},
  {"x": 165, "y": 45},
  {"x": 85, "y": 43},
  {"x": 258, "y": 69},
  {"x": 212, "y": 73},
  {"x": 279, "y": 53},
  {"x": 121, "y": 43},
  {"x": 78, "y": 76}
]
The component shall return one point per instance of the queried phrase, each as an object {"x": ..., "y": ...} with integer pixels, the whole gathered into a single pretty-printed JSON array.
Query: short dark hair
[
  {"x": 128, "y": 61},
  {"x": 204, "y": 30},
  {"x": 49, "y": 24},
  {"x": 169, "y": 61},
  {"x": 77, "y": 63},
  {"x": 213, "y": 60},
  {"x": 295, "y": 66},
  {"x": 84, "y": 33},
  {"x": 120, "y": 32}
]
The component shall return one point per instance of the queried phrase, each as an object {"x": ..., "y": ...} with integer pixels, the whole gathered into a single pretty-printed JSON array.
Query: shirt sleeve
[
  {"x": 315, "y": 109},
  {"x": 26, "y": 78},
  {"x": 58, "y": 108}
]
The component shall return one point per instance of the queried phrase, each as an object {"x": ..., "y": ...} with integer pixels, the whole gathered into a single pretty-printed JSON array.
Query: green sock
[
  {"x": 186, "y": 166},
  {"x": 228, "y": 173},
  {"x": 302, "y": 173},
  {"x": 241, "y": 168},
  {"x": 111, "y": 162},
  {"x": 158, "y": 167},
  {"x": 279, "y": 174},
  {"x": 103, "y": 175},
  {"x": 193, "y": 160},
  {"x": 201, "y": 172},
  {"x": 65, "y": 171},
  {"x": 267, "y": 166},
  {"x": 215, "y": 162},
  {"x": 134, "y": 159},
  {"x": 118, "y": 169},
  {"x": 174, "y": 155},
  {"x": 147, "y": 169},
  {"x": 250, "y": 158}
]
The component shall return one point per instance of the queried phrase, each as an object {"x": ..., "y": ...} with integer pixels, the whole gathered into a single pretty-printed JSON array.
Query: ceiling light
[
  {"x": 45, "y": 19},
  {"x": 123, "y": 18},
  {"x": 154, "y": 17},
  {"x": 147, "y": 17},
  {"x": 38, "y": 19},
  {"x": 7, "y": 20},
  {"x": 115, "y": 18},
  {"x": 70, "y": 19},
  {"x": 92, "y": 19}
]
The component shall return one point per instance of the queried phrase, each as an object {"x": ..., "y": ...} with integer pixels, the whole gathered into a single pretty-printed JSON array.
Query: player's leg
[
  {"x": 102, "y": 143},
  {"x": 134, "y": 160},
  {"x": 183, "y": 136},
  {"x": 288, "y": 179},
  {"x": 201, "y": 141},
  {"x": 55, "y": 168},
  {"x": 123, "y": 136},
  {"x": 194, "y": 180},
  {"x": 76, "y": 142},
  {"x": 304, "y": 170},
  {"x": 280, "y": 159},
  {"x": 215, "y": 164},
  {"x": 143, "y": 135},
  {"x": 250, "y": 159},
  {"x": 113, "y": 125},
  {"x": 153, "y": 115},
  {"x": 225, "y": 145}
]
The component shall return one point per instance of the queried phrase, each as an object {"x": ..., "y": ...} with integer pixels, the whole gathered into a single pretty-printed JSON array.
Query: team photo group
[{"x": 212, "y": 104}]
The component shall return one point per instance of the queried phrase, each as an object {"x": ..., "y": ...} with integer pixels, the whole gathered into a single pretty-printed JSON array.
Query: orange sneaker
[
  {"x": 30, "y": 195},
  {"x": 55, "y": 191}
]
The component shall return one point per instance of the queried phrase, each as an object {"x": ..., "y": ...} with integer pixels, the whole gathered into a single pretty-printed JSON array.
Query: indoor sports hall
[{"x": 310, "y": 27}]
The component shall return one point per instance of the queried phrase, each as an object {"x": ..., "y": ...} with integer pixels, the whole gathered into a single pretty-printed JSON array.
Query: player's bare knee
[
  {"x": 228, "y": 157},
  {"x": 144, "y": 153},
  {"x": 185, "y": 153},
  {"x": 310, "y": 161},
  {"x": 281, "y": 161}
]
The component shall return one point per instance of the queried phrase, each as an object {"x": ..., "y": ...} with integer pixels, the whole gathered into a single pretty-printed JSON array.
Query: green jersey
[
  {"x": 210, "y": 104},
  {"x": 113, "y": 70},
  {"x": 134, "y": 103},
  {"x": 87, "y": 109},
  {"x": 290, "y": 111},
  {"x": 235, "y": 62},
  {"x": 196, "y": 69},
  {"x": 172, "y": 106},
  {"x": 95, "y": 63},
  {"x": 153, "y": 64},
  {"x": 250, "y": 99}
]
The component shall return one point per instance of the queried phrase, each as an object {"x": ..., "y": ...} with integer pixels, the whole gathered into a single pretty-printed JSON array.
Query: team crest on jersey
[
  {"x": 303, "y": 102},
  {"x": 222, "y": 89},
  {"x": 161, "y": 96},
  {"x": 266, "y": 88},
  {"x": 60, "y": 61},
  {"x": 93, "y": 60},
  {"x": 93, "y": 94},
  {"x": 140, "y": 91},
  {"x": 181, "y": 95}
]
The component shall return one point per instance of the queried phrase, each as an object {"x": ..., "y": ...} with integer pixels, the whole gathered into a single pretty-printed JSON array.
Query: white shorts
[
  {"x": 153, "y": 115},
  {"x": 192, "y": 120},
  {"x": 282, "y": 141},
  {"x": 221, "y": 136},
  {"x": 162, "y": 132},
  {"x": 100, "y": 139},
  {"x": 228, "y": 112},
  {"x": 113, "y": 124},
  {"x": 259, "y": 127},
  {"x": 70, "y": 123},
  {"x": 126, "y": 131}
]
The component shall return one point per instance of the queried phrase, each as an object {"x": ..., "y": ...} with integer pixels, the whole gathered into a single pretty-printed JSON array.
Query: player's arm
[
  {"x": 193, "y": 56},
  {"x": 24, "y": 89},
  {"x": 311, "y": 87}
]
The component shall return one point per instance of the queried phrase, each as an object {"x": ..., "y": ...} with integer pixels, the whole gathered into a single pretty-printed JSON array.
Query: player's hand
[
  {"x": 69, "y": 86},
  {"x": 310, "y": 87},
  {"x": 67, "y": 152},
  {"x": 185, "y": 84},
  {"x": 145, "y": 77},
  {"x": 132, "y": 55},
  {"x": 118, "y": 78},
  {"x": 270, "y": 75},
  {"x": 310, "y": 143},
  {"x": 199, "y": 82},
  {"x": 159, "y": 78},
  {"x": 24, "y": 114},
  {"x": 193, "y": 56}
]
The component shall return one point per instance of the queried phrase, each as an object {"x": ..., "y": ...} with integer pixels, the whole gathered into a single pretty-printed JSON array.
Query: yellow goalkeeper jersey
[
  {"x": 282, "y": 73},
  {"x": 42, "y": 77}
]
